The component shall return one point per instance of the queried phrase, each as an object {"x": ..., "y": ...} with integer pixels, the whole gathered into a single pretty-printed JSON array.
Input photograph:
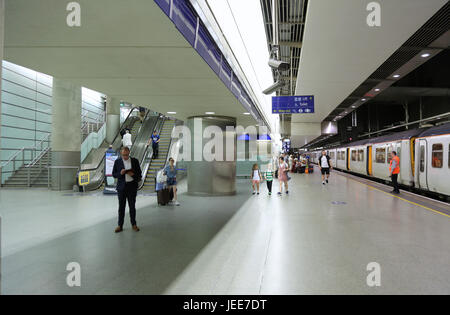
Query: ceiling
[
  {"x": 130, "y": 51},
  {"x": 339, "y": 50}
]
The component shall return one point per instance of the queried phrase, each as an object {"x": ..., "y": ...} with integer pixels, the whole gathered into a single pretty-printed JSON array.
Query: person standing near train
[{"x": 394, "y": 170}]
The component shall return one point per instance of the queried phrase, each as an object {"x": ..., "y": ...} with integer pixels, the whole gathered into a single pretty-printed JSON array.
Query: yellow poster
[{"x": 83, "y": 178}]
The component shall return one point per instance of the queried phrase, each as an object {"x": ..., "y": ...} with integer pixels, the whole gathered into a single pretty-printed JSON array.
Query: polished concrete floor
[{"x": 316, "y": 240}]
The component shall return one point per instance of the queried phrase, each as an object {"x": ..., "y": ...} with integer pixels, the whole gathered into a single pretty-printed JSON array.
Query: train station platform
[{"x": 316, "y": 240}]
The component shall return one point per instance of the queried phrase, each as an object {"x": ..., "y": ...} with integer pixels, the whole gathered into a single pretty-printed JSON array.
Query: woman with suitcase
[{"x": 171, "y": 172}]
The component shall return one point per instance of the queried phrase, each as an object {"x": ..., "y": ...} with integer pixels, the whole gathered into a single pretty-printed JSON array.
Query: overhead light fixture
[
  {"x": 377, "y": 90},
  {"x": 209, "y": 113},
  {"x": 353, "y": 106},
  {"x": 396, "y": 76},
  {"x": 172, "y": 113},
  {"x": 246, "y": 113},
  {"x": 363, "y": 99},
  {"x": 425, "y": 55}
]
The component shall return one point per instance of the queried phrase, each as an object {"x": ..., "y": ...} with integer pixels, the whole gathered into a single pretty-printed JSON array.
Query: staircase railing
[
  {"x": 21, "y": 152},
  {"x": 148, "y": 161},
  {"x": 148, "y": 153},
  {"x": 34, "y": 162}
]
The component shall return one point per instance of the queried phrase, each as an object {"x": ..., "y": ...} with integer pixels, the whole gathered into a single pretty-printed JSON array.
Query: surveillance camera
[
  {"x": 274, "y": 87},
  {"x": 278, "y": 64}
]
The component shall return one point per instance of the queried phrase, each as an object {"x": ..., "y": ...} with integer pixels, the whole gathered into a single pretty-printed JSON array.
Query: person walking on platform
[
  {"x": 325, "y": 166},
  {"x": 269, "y": 177},
  {"x": 256, "y": 178},
  {"x": 394, "y": 170},
  {"x": 128, "y": 173},
  {"x": 282, "y": 176},
  {"x": 155, "y": 144}
]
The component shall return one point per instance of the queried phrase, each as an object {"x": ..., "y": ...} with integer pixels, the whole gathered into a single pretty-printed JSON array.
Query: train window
[
  {"x": 389, "y": 150},
  {"x": 449, "y": 156},
  {"x": 437, "y": 155},
  {"x": 422, "y": 158},
  {"x": 332, "y": 155},
  {"x": 380, "y": 155},
  {"x": 360, "y": 155},
  {"x": 353, "y": 155}
]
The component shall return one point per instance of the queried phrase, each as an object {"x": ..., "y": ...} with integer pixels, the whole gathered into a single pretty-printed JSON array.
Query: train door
[
  {"x": 347, "y": 160},
  {"x": 369, "y": 160},
  {"x": 398, "y": 149},
  {"x": 422, "y": 159}
]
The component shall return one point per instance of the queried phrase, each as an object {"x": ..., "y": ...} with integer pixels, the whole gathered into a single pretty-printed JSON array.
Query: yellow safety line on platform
[{"x": 411, "y": 202}]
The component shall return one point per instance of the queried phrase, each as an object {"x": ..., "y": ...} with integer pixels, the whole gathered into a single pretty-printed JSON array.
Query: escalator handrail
[
  {"x": 115, "y": 138},
  {"x": 101, "y": 164}
]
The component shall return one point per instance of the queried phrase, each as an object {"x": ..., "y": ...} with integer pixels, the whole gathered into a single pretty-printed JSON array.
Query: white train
[{"x": 424, "y": 158}]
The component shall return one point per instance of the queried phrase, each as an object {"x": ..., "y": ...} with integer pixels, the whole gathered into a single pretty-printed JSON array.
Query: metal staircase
[
  {"x": 158, "y": 163},
  {"x": 37, "y": 173}
]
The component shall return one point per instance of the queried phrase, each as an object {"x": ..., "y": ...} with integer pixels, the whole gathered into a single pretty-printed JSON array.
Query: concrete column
[
  {"x": 211, "y": 178},
  {"x": 66, "y": 133},
  {"x": 112, "y": 118}
]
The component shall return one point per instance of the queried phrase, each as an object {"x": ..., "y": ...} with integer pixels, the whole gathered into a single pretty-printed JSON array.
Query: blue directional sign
[{"x": 293, "y": 104}]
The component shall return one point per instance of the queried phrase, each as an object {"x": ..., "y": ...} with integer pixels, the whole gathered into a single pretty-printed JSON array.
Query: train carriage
[
  {"x": 432, "y": 151},
  {"x": 424, "y": 158}
]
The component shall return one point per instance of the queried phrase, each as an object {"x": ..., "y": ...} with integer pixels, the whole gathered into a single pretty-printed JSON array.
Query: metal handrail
[
  {"x": 121, "y": 127},
  {"x": 22, "y": 151},
  {"x": 146, "y": 162},
  {"x": 100, "y": 167},
  {"x": 38, "y": 158}
]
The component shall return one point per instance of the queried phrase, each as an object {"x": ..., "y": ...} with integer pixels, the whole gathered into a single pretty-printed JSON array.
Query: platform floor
[{"x": 316, "y": 240}]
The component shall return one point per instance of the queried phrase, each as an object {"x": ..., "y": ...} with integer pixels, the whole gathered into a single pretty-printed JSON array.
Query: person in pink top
[{"x": 283, "y": 168}]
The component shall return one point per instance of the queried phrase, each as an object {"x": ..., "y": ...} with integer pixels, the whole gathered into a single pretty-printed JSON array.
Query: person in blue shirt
[
  {"x": 171, "y": 172},
  {"x": 155, "y": 144},
  {"x": 111, "y": 150}
]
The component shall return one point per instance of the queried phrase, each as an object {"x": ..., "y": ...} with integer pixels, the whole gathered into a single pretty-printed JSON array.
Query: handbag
[{"x": 161, "y": 177}]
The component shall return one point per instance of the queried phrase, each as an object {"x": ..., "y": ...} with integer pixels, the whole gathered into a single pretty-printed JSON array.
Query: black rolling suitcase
[
  {"x": 311, "y": 169},
  {"x": 163, "y": 196},
  {"x": 301, "y": 169}
]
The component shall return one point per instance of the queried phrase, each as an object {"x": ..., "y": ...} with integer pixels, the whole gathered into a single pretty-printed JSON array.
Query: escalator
[{"x": 140, "y": 133}]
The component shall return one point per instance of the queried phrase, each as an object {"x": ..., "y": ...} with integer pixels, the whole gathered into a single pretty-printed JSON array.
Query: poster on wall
[{"x": 110, "y": 158}]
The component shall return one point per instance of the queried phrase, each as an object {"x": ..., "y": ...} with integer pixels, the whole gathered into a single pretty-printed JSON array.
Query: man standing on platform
[
  {"x": 128, "y": 172},
  {"x": 394, "y": 170}
]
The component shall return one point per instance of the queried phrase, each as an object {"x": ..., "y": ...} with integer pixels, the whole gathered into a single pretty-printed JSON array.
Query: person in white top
[
  {"x": 291, "y": 161},
  {"x": 256, "y": 178},
  {"x": 126, "y": 141},
  {"x": 325, "y": 166}
]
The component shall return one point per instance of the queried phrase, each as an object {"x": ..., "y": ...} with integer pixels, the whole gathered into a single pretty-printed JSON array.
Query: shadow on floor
[{"x": 146, "y": 262}]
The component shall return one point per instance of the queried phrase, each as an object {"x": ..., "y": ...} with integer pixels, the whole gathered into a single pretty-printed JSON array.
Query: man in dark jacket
[{"x": 128, "y": 172}]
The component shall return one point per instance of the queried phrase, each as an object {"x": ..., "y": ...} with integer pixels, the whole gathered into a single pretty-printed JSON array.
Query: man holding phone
[{"x": 128, "y": 173}]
